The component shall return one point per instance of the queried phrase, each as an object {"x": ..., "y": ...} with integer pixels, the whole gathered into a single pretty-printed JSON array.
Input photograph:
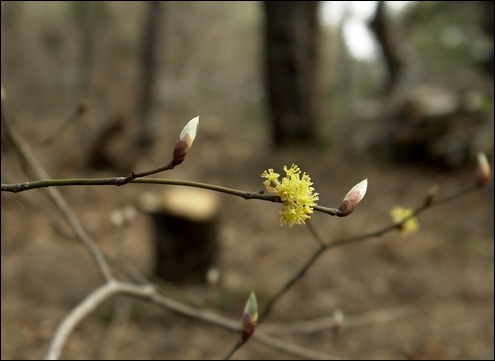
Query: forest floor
[{"x": 431, "y": 293}]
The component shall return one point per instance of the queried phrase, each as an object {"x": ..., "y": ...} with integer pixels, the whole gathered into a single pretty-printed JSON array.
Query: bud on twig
[
  {"x": 250, "y": 317},
  {"x": 482, "y": 170},
  {"x": 352, "y": 198},
  {"x": 432, "y": 193},
  {"x": 185, "y": 141}
]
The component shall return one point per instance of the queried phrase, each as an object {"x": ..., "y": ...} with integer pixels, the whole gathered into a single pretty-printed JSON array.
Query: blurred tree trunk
[
  {"x": 291, "y": 30},
  {"x": 92, "y": 18},
  {"x": 379, "y": 26},
  {"x": 151, "y": 28}
]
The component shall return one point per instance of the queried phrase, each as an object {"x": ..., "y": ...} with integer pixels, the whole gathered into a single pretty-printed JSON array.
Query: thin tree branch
[
  {"x": 116, "y": 329},
  {"x": 302, "y": 271},
  {"x": 73, "y": 118},
  {"x": 24, "y": 152},
  {"x": 325, "y": 323},
  {"x": 118, "y": 181},
  {"x": 314, "y": 233},
  {"x": 327, "y": 246},
  {"x": 234, "y": 349},
  {"x": 87, "y": 306},
  {"x": 148, "y": 292},
  {"x": 291, "y": 348}
]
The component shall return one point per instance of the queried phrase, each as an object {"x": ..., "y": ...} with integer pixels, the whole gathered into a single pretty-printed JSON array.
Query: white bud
[
  {"x": 357, "y": 192},
  {"x": 482, "y": 170},
  {"x": 352, "y": 198},
  {"x": 188, "y": 134}
]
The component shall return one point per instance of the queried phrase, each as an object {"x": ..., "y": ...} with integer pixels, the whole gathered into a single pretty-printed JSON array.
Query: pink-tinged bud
[
  {"x": 180, "y": 151},
  {"x": 188, "y": 134},
  {"x": 185, "y": 141},
  {"x": 250, "y": 317},
  {"x": 482, "y": 170},
  {"x": 352, "y": 198}
]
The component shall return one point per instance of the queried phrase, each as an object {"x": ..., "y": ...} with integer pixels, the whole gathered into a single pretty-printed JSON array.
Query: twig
[
  {"x": 120, "y": 318},
  {"x": 315, "y": 234},
  {"x": 118, "y": 181},
  {"x": 24, "y": 152},
  {"x": 327, "y": 246},
  {"x": 113, "y": 288},
  {"x": 287, "y": 286},
  {"x": 325, "y": 323},
  {"x": 236, "y": 347},
  {"x": 291, "y": 348},
  {"x": 226, "y": 323},
  {"x": 49, "y": 213},
  {"x": 57, "y": 134},
  {"x": 88, "y": 305}
]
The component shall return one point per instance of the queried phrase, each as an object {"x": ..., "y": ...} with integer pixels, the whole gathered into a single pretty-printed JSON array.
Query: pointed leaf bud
[
  {"x": 432, "y": 193},
  {"x": 185, "y": 141},
  {"x": 353, "y": 198},
  {"x": 250, "y": 317},
  {"x": 482, "y": 170},
  {"x": 188, "y": 134}
]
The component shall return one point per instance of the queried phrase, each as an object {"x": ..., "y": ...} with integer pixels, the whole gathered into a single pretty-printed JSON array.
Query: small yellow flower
[
  {"x": 296, "y": 193},
  {"x": 398, "y": 214}
]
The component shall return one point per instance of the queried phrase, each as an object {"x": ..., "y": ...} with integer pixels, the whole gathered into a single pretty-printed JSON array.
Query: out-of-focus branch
[
  {"x": 73, "y": 118},
  {"x": 88, "y": 305},
  {"x": 339, "y": 242},
  {"x": 24, "y": 152},
  {"x": 329, "y": 322},
  {"x": 148, "y": 292},
  {"x": 116, "y": 329}
]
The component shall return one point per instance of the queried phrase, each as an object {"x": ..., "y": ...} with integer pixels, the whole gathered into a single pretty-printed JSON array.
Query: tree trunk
[
  {"x": 145, "y": 138},
  {"x": 382, "y": 32},
  {"x": 185, "y": 224},
  {"x": 290, "y": 61}
]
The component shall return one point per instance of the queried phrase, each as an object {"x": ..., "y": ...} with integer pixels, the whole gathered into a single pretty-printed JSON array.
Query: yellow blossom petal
[
  {"x": 398, "y": 214},
  {"x": 296, "y": 193}
]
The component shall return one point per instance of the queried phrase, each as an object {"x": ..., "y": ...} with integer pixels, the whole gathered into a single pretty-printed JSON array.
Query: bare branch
[
  {"x": 24, "y": 152},
  {"x": 325, "y": 323},
  {"x": 327, "y": 246},
  {"x": 88, "y": 305}
]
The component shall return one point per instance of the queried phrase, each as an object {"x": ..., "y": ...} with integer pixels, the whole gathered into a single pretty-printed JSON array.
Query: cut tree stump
[{"x": 185, "y": 222}]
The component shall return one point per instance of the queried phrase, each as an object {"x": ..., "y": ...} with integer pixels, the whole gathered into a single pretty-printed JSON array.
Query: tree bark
[
  {"x": 148, "y": 64},
  {"x": 382, "y": 32},
  {"x": 185, "y": 223},
  {"x": 290, "y": 63}
]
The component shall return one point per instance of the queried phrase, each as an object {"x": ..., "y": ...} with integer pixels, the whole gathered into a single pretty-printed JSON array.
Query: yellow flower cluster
[
  {"x": 398, "y": 214},
  {"x": 296, "y": 193}
]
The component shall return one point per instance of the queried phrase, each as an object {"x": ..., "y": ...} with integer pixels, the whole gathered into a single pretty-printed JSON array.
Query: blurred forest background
[{"x": 401, "y": 94}]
